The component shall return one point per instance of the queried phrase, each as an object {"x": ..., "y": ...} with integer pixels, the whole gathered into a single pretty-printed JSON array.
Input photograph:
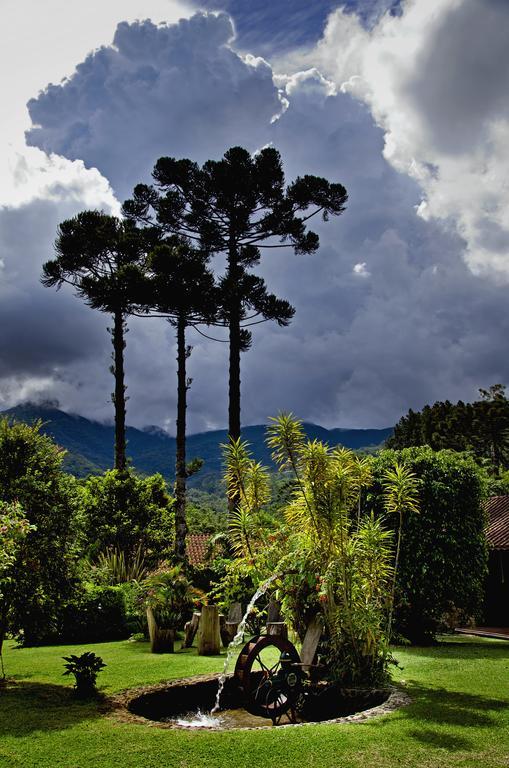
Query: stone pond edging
[{"x": 117, "y": 706}]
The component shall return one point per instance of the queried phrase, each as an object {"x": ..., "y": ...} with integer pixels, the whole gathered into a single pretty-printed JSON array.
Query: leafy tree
[
  {"x": 42, "y": 575},
  {"x": 97, "y": 255},
  {"x": 443, "y": 550},
  {"x": 235, "y": 207},
  {"x": 178, "y": 285},
  {"x": 14, "y": 528},
  {"x": 130, "y": 514}
]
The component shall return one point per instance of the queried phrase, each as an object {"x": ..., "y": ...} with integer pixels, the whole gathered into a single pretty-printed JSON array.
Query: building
[{"x": 496, "y": 607}]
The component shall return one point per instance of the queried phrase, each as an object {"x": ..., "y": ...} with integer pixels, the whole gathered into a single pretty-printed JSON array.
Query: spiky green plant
[
  {"x": 122, "y": 568},
  {"x": 248, "y": 486}
]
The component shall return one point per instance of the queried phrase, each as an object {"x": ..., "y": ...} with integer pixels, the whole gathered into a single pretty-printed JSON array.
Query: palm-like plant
[
  {"x": 401, "y": 497},
  {"x": 248, "y": 487}
]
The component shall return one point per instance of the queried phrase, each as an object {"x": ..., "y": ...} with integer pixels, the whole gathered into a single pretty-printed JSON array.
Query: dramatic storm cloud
[
  {"x": 160, "y": 89},
  {"x": 437, "y": 79},
  {"x": 389, "y": 313}
]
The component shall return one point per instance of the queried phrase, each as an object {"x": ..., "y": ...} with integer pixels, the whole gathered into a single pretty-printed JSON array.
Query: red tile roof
[
  {"x": 197, "y": 544},
  {"x": 498, "y": 522}
]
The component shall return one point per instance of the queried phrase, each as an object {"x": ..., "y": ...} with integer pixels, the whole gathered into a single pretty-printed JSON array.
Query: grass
[{"x": 459, "y": 716}]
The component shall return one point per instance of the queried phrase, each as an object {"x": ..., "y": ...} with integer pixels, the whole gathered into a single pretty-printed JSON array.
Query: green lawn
[{"x": 459, "y": 716}]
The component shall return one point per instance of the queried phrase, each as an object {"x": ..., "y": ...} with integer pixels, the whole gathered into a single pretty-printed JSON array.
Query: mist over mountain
[{"x": 89, "y": 444}]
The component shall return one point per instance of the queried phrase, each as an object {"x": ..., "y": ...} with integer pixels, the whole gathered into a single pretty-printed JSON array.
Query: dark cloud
[
  {"x": 388, "y": 314},
  {"x": 461, "y": 76},
  {"x": 174, "y": 89}
]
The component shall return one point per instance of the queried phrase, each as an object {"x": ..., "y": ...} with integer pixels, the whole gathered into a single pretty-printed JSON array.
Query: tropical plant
[
  {"x": 400, "y": 486},
  {"x": 85, "y": 669},
  {"x": 171, "y": 596},
  {"x": 350, "y": 559},
  {"x": 330, "y": 561},
  {"x": 121, "y": 568}
]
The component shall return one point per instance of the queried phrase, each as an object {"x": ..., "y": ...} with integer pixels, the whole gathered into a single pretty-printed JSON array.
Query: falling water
[{"x": 239, "y": 638}]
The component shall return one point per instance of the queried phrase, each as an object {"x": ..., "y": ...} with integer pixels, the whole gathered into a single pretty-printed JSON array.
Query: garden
[{"x": 319, "y": 626}]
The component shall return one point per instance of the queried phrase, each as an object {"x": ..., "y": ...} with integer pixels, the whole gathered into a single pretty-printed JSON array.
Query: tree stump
[
  {"x": 310, "y": 642},
  {"x": 273, "y": 611},
  {"x": 223, "y": 631},
  {"x": 191, "y": 629},
  {"x": 231, "y": 628},
  {"x": 209, "y": 638},
  {"x": 278, "y": 628},
  {"x": 161, "y": 640},
  {"x": 234, "y": 614}
]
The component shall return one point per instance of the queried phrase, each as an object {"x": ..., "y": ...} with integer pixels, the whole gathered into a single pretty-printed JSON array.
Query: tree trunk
[
  {"x": 180, "y": 464},
  {"x": 234, "y": 377},
  {"x": 234, "y": 364},
  {"x": 118, "y": 397},
  {"x": 4, "y": 610}
]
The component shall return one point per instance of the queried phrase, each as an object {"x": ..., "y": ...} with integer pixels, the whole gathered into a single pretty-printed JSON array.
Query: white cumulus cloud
[{"x": 436, "y": 79}]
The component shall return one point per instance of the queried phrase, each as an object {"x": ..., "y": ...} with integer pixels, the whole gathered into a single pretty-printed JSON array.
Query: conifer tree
[
  {"x": 236, "y": 207},
  {"x": 99, "y": 255},
  {"x": 177, "y": 284}
]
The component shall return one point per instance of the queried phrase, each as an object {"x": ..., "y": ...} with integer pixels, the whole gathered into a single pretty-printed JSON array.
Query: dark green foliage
[
  {"x": 235, "y": 206},
  {"x": 206, "y": 513},
  {"x": 97, "y": 614},
  {"x": 85, "y": 669},
  {"x": 43, "y": 574},
  {"x": 171, "y": 596},
  {"x": 481, "y": 427},
  {"x": 443, "y": 550},
  {"x": 124, "y": 511}
]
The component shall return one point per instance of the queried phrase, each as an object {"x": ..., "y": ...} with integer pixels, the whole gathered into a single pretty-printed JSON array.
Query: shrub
[
  {"x": 85, "y": 669},
  {"x": 96, "y": 614},
  {"x": 443, "y": 549},
  {"x": 43, "y": 572}
]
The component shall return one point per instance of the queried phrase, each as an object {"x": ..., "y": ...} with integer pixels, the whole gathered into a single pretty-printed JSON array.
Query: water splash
[
  {"x": 239, "y": 639},
  {"x": 197, "y": 719}
]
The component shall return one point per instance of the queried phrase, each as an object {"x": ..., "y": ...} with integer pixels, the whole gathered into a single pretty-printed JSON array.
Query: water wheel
[{"x": 270, "y": 675}]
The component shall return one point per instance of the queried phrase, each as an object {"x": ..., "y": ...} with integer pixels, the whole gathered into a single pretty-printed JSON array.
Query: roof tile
[{"x": 498, "y": 522}]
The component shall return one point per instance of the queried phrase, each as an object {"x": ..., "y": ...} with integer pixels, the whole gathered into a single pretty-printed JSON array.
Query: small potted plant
[
  {"x": 169, "y": 599},
  {"x": 85, "y": 669}
]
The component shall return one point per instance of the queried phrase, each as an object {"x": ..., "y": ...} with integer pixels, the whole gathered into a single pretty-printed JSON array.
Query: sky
[{"x": 404, "y": 102}]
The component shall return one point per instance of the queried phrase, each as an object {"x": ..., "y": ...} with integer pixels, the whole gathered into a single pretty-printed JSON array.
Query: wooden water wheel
[{"x": 269, "y": 673}]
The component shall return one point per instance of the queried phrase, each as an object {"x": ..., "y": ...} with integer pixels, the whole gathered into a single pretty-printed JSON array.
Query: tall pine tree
[{"x": 238, "y": 206}]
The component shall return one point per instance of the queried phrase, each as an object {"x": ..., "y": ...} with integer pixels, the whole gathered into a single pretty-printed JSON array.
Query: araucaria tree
[
  {"x": 98, "y": 256},
  {"x": 237, "y": 206},
  {"x": 177, "y": 284}
]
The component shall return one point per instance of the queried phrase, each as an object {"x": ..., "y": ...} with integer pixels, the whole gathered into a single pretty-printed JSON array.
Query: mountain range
[{"x": 89, "y": 444}]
